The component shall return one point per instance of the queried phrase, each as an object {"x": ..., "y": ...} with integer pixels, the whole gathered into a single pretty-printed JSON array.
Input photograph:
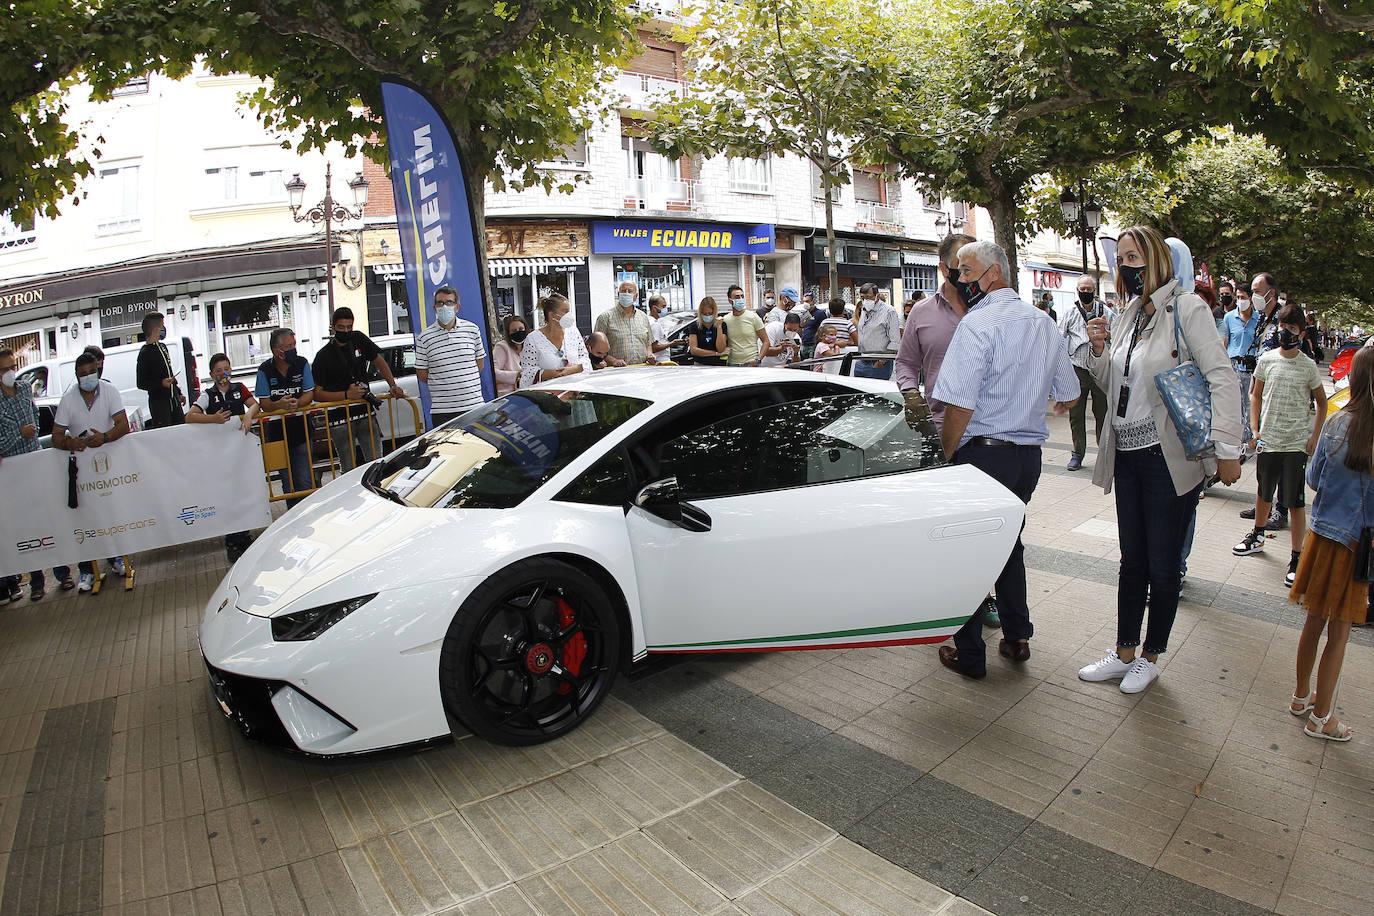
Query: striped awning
[
  {"x": 515, "y": 267},
  {"x": 924, "y": 258}
]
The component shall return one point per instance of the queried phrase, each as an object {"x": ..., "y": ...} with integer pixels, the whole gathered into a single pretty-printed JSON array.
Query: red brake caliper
[{"x": 575, "y": 649}]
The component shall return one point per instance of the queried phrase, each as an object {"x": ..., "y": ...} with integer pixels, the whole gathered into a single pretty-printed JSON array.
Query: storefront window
[
  {"x": 520, "y": 294},
  {"x": 247, "y": 323},
  {"x": 666, "y": 277}
]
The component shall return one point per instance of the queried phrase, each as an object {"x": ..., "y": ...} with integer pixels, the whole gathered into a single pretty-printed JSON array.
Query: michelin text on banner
[{"x": 150, "y": 489}]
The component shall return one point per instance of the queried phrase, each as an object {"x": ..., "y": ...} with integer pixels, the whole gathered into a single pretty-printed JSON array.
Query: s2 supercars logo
[
  {"x": 81, "y": 535},
  {"x": 43, "y": 543}
]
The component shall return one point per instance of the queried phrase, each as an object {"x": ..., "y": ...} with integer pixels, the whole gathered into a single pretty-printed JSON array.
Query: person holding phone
[{"x": 556, "y": 349}]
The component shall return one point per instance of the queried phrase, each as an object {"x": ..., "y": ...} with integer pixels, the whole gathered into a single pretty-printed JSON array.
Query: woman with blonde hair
[
  {"x": 1141, "y": 455},
  {"x": 706, "y": 340}
]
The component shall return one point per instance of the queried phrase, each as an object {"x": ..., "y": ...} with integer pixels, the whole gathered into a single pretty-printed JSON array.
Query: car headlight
[{"x": 308, "y": 624}]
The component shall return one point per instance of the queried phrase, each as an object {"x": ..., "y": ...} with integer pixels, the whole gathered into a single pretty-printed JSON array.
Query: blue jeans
[
  {"x": 298, "y": 454},
  {"x": 1244, "y": 379},
  {"x": 36, "y": 579},
  {"x": 865, "y": 368},
  {"x": 1018, "y": 469},
  {"x": 1153, "y": 521}
]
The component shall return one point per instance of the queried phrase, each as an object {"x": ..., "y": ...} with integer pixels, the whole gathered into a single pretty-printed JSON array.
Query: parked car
[
  {"x": 50, "y": 379},
  {"x": 506, "y": 567}
]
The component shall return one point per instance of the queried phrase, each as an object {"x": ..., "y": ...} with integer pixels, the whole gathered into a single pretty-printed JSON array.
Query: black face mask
[
  {"x": 1288, "y": 340},
  {"x": 518, "y": 336},
  {"x": 342, "y": 337},
  {"x": 975, "y": 292},
  {"x": 598, "y": 361},
  {"x": 1086, "y": 296},
  {"x": 1227, "y": 300},
  {"x": 1133, "y": 279}
]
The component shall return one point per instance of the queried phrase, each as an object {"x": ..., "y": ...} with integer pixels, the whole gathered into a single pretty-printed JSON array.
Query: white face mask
[
  {"x": 627, "y": 300},
  {"x": 569, "y": 320},
  {"x": 768, "y": 299},
  {"x": 1243, "y": 303},
  {"x": 8, "y": 378}
]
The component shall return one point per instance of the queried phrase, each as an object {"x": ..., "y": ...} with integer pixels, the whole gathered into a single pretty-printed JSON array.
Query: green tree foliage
[
  {"x": 786, "y": 77},
  {"x": 1243, "y": 210}
]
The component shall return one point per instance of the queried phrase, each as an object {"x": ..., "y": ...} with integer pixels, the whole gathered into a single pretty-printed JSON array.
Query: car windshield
[{"x": 494, "y": 456}]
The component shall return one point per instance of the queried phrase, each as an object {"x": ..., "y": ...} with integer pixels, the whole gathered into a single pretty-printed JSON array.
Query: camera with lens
[
  {"x": 1247, "y": 362},
  {"x": 370, "y": 398}
]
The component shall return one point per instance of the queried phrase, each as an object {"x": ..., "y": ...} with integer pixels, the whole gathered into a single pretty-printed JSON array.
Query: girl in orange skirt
[{"x": 1325, "y": 585}]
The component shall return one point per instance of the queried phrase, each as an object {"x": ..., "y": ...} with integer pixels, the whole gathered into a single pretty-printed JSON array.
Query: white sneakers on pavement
[
  {"x": 87, "y": 582},
  {"x": 1135, "y": 675},
  {"x": 1108, "y": 669},
  {"x": 117, "y": 567},
  {"x": 1142, "y": 674}
]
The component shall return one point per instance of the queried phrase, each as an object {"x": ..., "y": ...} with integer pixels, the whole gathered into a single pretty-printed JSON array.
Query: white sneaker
[
  {"x": 1108, "y": 669},
  {"x": 1142, "y": 674},
  {"x": 87, "y": 582},
  {"x": 117, "y": 567}
]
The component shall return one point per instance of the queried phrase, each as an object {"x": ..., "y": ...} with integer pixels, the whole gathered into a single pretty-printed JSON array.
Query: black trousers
[
  {"x": 1078, "y": 413},
  {"x": 1018, "y": 469}
]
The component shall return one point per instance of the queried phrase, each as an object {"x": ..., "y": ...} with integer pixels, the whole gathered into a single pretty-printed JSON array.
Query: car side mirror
[{"x": 661, "y": 499}]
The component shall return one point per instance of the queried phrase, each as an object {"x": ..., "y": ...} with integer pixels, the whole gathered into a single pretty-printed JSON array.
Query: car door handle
[{"x": 971, "y": 528}]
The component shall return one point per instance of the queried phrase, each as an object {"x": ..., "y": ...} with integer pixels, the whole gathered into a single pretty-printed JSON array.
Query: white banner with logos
[{"x": 153, "y": 488}]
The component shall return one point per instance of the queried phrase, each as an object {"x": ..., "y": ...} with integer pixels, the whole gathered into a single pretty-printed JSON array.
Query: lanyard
[{"x": 1135, "y": 339}]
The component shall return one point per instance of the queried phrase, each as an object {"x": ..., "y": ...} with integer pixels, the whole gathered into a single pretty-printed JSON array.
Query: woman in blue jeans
[{"x": 1141, "y": 456}]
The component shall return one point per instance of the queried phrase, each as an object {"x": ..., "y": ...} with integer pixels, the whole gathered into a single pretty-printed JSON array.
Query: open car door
[{"x": 825, "y": 522}]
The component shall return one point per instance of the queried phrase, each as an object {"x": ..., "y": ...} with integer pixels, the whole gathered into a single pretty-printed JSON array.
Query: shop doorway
[{"x": 670, "y": 278}]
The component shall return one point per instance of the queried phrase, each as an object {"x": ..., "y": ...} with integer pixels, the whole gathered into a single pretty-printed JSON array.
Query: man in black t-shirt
[{"x": 340, "y": 370}]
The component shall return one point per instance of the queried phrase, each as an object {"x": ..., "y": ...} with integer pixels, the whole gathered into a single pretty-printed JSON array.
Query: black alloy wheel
[{"x": 531, "y": 653}]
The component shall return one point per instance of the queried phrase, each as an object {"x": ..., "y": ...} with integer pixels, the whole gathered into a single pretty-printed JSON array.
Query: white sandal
[
  {"x": 1309, "y": 703},
  {"x": 1321, "y": 732}
]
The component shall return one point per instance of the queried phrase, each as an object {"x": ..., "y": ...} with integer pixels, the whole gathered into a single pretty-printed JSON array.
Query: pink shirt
[
  {"x": 929, "y": 329},
  {"x": 505, "y": 363}
]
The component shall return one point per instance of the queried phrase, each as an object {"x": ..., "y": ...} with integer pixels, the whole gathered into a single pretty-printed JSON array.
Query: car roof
[{"x": 680, "y": 383}]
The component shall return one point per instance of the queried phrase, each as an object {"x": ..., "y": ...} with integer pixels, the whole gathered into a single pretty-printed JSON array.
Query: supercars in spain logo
[{"x": 189, "y": 515}]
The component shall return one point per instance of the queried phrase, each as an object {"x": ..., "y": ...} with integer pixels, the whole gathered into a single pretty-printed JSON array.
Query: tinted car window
[
  {"x": 496, "y": 455},
  {"x": 37, "y": 379},
  {"x": 818, "y": 440},
  {"x": 605, "y": 483}
]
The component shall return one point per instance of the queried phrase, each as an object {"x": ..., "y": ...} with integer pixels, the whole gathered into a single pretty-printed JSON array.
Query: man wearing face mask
[
  {"x": 1226, "y": 295},
  {"x": 221, "y": 402},
  {"x": 1074, "y": 327},
  {"x": 285, "y": 384},
  {"x": 787, "y": 299},
  {"x": 744, "y": 331},
  {"x": 1004, "y": 362},
  {"x": 878, "y": 329},
  {"x": 340, "y": 371},
  {"x": 599, "y": 349},
  {"x": 811, "y": 324},
  {"x": 627, "y": 328},
  {"x": 154, "y": 375},
  {"x": 449, "y": 358},
  {"x": 1264, "y": 298},
  {"x": 1241, "y": 325},
  {"x": 930, "y": 327}
]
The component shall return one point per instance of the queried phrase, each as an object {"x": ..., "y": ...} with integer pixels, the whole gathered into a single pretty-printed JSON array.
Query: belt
[{"x": 991, "y": 443}]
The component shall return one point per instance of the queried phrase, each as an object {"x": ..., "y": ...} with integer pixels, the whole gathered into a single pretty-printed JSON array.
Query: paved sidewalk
[{"x": 869, "y": 780}]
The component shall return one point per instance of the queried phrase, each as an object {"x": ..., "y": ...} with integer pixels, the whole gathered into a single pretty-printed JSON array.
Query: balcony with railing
[
  {"x": 641, "y": 92},
  {"x": 664, "y": 195},
  {"x": 870, "y": 214}
]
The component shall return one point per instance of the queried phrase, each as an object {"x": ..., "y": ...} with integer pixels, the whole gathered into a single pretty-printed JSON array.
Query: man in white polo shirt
[
  {"x": 90, "y": 414},
  {"x": 448, "y": 358}
]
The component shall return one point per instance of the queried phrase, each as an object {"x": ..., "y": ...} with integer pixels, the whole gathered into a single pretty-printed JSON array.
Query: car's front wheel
[{"x": 531, "y": 653}]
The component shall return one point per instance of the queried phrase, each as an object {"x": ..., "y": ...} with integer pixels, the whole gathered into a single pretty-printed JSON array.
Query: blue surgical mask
[
  {"x": 627, "y": 300},
  {"x": 737, "y": 305},
  {"x": 445, "y": 313},
  {"x": 708, "y": 319},
  {"x": 89, "y": 382}
]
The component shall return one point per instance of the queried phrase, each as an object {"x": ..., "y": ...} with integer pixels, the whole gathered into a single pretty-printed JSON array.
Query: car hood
[{"x": 348, "y": 535}]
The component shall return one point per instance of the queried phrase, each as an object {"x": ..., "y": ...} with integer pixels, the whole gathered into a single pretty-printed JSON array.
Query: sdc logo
[
  {"x": 86, "y": 534},
  {"x": 28, "y": 544}
]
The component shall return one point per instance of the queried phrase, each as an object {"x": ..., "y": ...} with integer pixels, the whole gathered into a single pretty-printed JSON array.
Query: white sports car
[{"x": 505, "y": 567}]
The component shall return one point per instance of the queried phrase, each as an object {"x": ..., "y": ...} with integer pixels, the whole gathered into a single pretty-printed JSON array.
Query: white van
[{"x": 50, "y": 379}]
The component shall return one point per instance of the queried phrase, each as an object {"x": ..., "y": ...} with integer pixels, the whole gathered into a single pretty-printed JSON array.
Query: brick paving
[{"x": 869, "y": 780}]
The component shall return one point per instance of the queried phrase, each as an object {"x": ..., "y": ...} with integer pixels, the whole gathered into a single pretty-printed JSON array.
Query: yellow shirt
[{"x": 743, "y": 333}]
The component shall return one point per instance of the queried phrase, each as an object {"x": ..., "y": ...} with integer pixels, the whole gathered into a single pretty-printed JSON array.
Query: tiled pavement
[{"x": 868, "y": 780}]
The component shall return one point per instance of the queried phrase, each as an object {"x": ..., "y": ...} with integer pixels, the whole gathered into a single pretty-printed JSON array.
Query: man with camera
[{"x": 340, "y": 371}]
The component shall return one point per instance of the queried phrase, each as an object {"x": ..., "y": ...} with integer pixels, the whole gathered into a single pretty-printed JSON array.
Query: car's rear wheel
[{"x": 531, "y": 653}]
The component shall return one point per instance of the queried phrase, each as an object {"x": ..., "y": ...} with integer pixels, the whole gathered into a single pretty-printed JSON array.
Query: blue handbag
[{"x": 1188, "y": 398}]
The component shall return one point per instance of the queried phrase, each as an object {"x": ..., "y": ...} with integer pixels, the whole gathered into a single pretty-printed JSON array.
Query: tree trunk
[
  {"x": 1002, "y": 209},
  {"x": 830, "y": 242},
  {"x": 477, "y": 200}
]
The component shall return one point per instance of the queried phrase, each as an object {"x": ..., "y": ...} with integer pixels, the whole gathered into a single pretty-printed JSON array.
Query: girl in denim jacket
[{"x": 1325, "y": 585}]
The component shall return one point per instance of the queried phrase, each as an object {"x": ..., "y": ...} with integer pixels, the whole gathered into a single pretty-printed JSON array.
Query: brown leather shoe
[
  {"x": 949, "y": 657},
  {"x": 1018, "y": 651}
]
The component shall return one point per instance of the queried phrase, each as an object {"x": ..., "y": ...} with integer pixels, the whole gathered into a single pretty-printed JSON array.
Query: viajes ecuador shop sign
[{"x": 671, "y": 238}]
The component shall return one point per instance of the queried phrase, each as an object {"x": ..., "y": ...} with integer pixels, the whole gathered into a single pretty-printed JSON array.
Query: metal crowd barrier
[{"x": 319, "y": 419}]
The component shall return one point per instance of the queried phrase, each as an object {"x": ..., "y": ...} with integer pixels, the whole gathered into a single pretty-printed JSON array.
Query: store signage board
[
  {"x": 671, "y": 238},
  {"x": 126, "y": 309}
]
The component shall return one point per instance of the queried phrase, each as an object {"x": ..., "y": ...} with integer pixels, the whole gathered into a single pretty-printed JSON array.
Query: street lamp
[
  {"x": 327, "y": 211},
  {"x": 1084, "y": 216}
]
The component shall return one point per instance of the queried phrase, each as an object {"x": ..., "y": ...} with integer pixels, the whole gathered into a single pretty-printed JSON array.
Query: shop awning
[{"x": 515, "y": 267}]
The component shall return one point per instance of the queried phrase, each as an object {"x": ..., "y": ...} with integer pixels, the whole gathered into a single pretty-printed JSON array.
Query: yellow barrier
[{"x": 320, "y": 421}]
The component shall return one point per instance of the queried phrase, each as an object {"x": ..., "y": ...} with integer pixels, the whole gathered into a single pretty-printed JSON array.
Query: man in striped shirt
[
  {"x": 449, "y": 357},
  {"x": 1005, "y": 362}
]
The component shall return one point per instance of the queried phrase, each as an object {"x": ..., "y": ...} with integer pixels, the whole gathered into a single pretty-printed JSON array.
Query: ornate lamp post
[
  {"x": 1084, "y": 215},
  {"x": 327, "y": 211}
]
